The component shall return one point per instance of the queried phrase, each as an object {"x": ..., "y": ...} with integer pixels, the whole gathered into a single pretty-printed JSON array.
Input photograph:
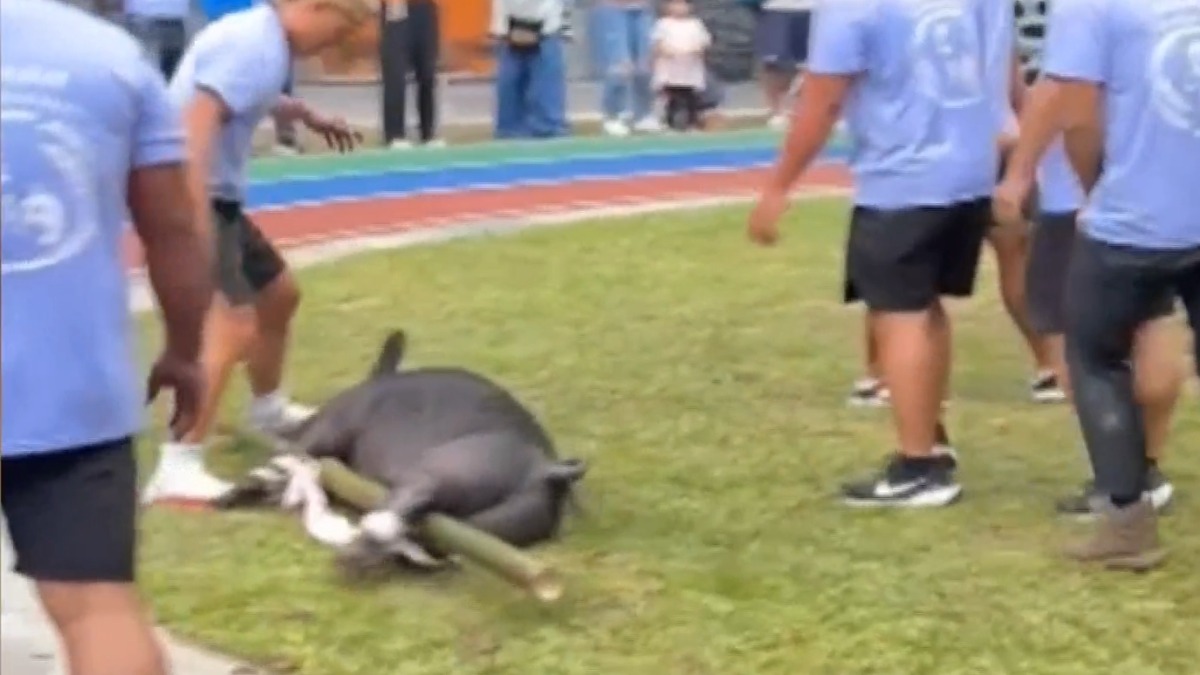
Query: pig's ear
[{"x": 391, "y": 355}]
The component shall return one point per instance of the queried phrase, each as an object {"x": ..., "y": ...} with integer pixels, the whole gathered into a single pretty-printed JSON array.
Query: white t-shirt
[{"x": 681, "y": 43}]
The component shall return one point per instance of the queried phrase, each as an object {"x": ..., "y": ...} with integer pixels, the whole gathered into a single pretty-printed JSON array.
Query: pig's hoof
[{"x": 363, "y": 561}]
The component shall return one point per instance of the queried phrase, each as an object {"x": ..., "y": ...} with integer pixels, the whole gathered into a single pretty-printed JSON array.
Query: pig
[{"x": 441, "y": 440}]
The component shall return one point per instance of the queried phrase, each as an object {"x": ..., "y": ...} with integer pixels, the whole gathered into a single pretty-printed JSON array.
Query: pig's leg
[{"x": 526, "y": 518}]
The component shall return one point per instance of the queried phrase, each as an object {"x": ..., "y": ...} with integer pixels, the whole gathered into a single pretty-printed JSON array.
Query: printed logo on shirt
[
  {"x": 49, "y": 207},
  {"x": 1175, "y": 69},
  {"x": 945, "y": 52}
]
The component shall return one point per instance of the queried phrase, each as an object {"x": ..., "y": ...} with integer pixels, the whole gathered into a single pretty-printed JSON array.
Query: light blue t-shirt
[
  {"x": 77, "y": 119},
  {"x": 244, "y": 59},
  {"x": 1059, "y": 190},
  {"x": 158, "y": 9},
  {"x": 1146, "y": 56},
  {"x": 922, "y": 111}
]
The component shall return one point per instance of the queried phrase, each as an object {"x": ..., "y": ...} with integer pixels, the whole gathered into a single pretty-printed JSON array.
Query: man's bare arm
[
  {"x": 1083, "y": 132},
  {"x": 1040, "y": 123},
  {"x": 818, "y": 107},
  {"x": 179, "y": 255},
  {"x": 202, "y": 122}
]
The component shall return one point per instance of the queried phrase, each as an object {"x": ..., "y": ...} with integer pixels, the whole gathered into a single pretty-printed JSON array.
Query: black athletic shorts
[
  {"x": 246, "y": 260},
  {"x": 1050, "y": 247},
  {"x": 1112, "y": 290},
  {"x": 903, "y": 260},
  {"x": 72, "y": 514}
]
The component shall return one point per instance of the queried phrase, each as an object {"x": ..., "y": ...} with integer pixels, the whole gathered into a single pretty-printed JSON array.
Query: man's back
[
  {"x": 923, "y": 106},
  {"x": 1146, "y": 56},
  {"x": 74, "y": 119}
]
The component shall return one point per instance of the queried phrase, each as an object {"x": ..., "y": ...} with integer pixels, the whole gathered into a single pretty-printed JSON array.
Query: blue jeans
[
  {"x": 531, "y": 91},
  {"x": 621, "y": 41}
]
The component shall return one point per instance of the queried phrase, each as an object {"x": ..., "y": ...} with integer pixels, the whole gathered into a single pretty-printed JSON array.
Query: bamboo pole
[{"x": 454, "y": 536}]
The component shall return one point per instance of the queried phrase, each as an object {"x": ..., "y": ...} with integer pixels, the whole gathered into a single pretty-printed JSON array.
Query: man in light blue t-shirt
[
  {"x": 924, "y": 88},
  {"x": 229, "y": 80},
  {"x": 1157, "y": 363},
  {"x": 1129, "y": 73},
  {"x": 88, "y": 137}
]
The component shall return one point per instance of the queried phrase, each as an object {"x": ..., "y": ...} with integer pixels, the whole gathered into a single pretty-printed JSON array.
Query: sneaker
[
  {"x": 399, "y": 144},
  {"x": 1088, "y": 502},
  {"x": 907, "y": 483},
  {"x": 869, "y": 392},
  {"x": 616, "y": 128},
  {"x": 181, "y": 478},
  {"x": 778, "y": 122},
  {"x": 648, "y": 125},
  {"x": 1126, "y": 538},
  {"x": 285, "y": 150},
  {"x": 1044, "y": 389},
  {"x": 434, "y": 143},
  {"x": 275, "y": 414}
]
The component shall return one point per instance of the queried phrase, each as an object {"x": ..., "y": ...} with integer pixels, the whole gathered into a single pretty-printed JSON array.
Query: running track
[{"x": 309, "y": 201}]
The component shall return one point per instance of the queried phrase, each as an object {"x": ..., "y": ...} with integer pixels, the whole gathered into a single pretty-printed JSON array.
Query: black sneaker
[
  {"x": 907, "y": 483},
  {"x": 1044, "y": 389},
  {"x": 1087, "y": 502}
]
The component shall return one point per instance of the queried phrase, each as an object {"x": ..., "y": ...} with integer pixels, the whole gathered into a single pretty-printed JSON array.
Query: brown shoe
[{"x": 1124, "y": 539}]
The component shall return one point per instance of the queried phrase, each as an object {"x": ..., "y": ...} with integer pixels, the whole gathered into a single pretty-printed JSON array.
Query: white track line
[{"x": 337, "y": 245}]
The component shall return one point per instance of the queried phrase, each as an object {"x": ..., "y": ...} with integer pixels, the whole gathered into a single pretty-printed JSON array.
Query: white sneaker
[
  {"x": 778, "y": 121},
  {"x": 435, "y": 143},
  {"x": 275, "y": 413},
  {"x": 648, "y": 125},
  {"x": 181, "y": 477},
  {"x": 399, "y": 144},
  {"x": 285, "y": 150},
  {"x": 615, "y": 128}
]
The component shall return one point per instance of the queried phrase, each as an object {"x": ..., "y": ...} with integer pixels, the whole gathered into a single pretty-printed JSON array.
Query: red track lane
[{"x": 309, "y": 224}]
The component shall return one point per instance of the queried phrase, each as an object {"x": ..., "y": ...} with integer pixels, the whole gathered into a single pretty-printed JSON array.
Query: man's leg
[
  {"x": 899, "y": 263},
  {"x": 425, "y": 37},
  {"x": 869, "y": 391},
  {"x": 640, "y": 25},
  {"x": 172, "y": 43},
  {"x": 72, "y": 517},
  {"x": 771, "y": 40},
  {"x": 286, "y": 142},
  {"x": 393, "y": 72},
  {"x": 548, "y": 90},
  {"x": 512, "y": 79},
  {"x": 228, "y": 334},
  {"x": 1012, "y": 260},
  {"x": 615, "y": 61},
  {"x": 276, "y": 299},
  {"x": 1111, "y": 291}
]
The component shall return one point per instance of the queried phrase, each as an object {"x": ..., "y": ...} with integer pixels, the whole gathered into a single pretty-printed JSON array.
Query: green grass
[{"x": 704, "y": 381}]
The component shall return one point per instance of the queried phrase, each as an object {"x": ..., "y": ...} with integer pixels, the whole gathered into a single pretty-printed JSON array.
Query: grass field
[{"x": 704, "y": 380}]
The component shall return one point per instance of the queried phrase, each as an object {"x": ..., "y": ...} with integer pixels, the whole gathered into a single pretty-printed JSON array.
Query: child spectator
[{"x": 680, "y": 41}]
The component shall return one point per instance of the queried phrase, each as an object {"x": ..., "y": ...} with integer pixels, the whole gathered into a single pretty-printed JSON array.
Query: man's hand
[
  {"x": 184, "y": 378},
  {"x": 763, "y": 226},
  {"x": 335, "y": 130},
  {"x": 1010, "y": 200}
]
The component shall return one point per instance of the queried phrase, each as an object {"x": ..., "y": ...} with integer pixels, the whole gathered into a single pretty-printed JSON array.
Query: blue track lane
[{"x": 308, "y": 190}]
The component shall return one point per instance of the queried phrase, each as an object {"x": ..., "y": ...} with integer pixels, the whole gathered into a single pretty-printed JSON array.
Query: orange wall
[{"x": 464, "y": 25}]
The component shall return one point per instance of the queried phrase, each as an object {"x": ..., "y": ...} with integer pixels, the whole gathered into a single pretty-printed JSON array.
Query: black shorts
[
  {"x": 1112, "y": 290},
  {"x": 1050, "y": 248},
  {"x": 903, "y": 260},
  {"x": 246, "y": 260},
  {"x": 72, "y": 514}
]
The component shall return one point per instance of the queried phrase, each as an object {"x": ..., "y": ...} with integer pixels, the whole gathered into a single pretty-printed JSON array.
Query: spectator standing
[
  {"x": 161, "y": 26},
  {"x": 531, "y": 77},
  {"x": 409, "y": 40},
  {"x": 781, "y": 40},
  {"x": 680, "y": 40},
  {"x": 623, "y": 49},
  {"x": 89, "y": 137}
]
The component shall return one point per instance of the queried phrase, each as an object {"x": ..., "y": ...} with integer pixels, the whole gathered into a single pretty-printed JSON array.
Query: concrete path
[{"x": 28, "y": 645}]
